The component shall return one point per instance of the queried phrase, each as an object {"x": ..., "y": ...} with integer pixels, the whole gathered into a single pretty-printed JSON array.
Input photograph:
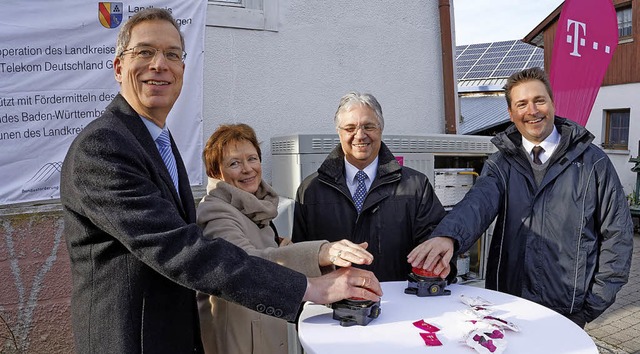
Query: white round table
[{"x": 541, "y": 330}]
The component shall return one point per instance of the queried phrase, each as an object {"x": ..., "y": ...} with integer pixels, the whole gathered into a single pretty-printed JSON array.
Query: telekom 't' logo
[{"x": 579, "y": 29}]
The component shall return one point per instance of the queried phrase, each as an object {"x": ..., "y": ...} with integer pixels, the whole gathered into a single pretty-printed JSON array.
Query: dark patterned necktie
[
  {"x": 361, "y": 190},
  {"x": 536, "y": 154}
]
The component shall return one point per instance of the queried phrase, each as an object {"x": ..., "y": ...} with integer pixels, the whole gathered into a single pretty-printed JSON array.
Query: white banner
[{"x": 56, "y": 76}]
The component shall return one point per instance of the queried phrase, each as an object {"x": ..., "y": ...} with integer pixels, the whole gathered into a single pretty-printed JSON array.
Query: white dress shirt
[{"x": 549, "y": 145}]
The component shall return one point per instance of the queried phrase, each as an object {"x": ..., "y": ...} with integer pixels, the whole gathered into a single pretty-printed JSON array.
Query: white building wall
[
  {"x": 290, "y": 81},
  {"x": 618, "y": 97}
]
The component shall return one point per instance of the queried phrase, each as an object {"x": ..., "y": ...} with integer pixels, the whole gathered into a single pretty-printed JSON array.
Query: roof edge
[
  {"x": 535, "y": 36},
  {"x": 481, "y": 88}
]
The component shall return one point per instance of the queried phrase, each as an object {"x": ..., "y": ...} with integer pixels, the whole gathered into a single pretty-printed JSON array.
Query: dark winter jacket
[
  {"x": 566, "y": 244},
  {"x": 400, "y": 211}
]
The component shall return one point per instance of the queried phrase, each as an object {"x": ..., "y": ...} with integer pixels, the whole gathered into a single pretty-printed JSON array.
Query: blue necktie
[
  {"x": 361, "y": 190},
  {"x": 164, "y": 147}
]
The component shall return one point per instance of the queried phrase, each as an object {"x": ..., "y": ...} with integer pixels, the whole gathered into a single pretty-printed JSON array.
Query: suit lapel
[
  {"x": 186, "y": 199},
  {"x": 131, "y": 119}
]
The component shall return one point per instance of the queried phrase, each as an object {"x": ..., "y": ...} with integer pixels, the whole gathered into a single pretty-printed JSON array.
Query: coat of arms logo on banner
[{"x": 110, "y": 14}]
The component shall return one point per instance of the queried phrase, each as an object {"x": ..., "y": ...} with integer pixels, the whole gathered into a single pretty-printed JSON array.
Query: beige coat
[{"x": 243, "y": 219}]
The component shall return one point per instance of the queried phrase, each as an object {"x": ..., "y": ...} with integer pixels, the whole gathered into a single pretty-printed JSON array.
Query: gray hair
[
  {"x": 148, "y": 14},
  {"x": 354, "y": 98}
]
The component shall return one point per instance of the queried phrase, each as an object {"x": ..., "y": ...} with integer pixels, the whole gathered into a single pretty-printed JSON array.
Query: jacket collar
[
  {"x": 333, "y": 166},
  {"x": 574, "y": 140},
  {"x": 573, "y": 137}
]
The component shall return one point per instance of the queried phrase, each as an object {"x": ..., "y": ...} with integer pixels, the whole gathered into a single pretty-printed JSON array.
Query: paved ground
[{"x": 617, "y": 330}]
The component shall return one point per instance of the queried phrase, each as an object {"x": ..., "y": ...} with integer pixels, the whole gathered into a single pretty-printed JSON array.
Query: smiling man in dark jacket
[
  {"x": 564, "y": 235},
  {"x": 394, "y": 210}
]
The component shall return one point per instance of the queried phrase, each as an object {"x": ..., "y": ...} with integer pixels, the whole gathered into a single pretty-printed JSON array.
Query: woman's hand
[{"x": 343, "y": 253}]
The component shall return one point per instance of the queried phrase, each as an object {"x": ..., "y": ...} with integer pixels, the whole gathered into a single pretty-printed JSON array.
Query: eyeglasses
[
  {"x": 352, "y": 129},
  {"x": 145, "y": 52}
]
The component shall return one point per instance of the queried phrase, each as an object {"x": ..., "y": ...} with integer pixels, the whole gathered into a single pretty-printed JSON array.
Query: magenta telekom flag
[{"x": 585, "y": 40}]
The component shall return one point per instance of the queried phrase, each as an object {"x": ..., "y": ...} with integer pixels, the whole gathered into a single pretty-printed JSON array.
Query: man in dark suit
[{"x": 136, "y": 253}]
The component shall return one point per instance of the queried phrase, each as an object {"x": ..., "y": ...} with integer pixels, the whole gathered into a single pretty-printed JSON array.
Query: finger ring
[
  {"x": 364, "y": 282},
  {"x": 332, "y": 259},
  {"x": 339, "y": 253}
]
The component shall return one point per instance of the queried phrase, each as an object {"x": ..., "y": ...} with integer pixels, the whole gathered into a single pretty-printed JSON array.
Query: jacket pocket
[{"x": 257, "y": 346}]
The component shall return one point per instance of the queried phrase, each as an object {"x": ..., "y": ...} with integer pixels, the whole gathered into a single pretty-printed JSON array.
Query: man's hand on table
[{"x": 342, "y": 284}]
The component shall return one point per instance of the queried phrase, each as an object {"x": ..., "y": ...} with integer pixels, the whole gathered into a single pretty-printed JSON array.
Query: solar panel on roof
[
  {"x": 521, "y": 44},
  {"x": 474, "y": 51},
  {"x": 466, "y": 65},
  {"x": 516, "y": 58},
  {"x": 494, "y": 50},
  {"x": 520, "y": 52},
  {"x": 510, "y": 66},
  {"x": 488, "y": 67},
  {"x": 494, "y": 56},
  {"x": 484, "y": 63},
  {"x": 489, "y": 61},
  {"x": 467, "y": 55},
  {"x": 503, "y": 73},
  {"x": 479, "y": 74}
]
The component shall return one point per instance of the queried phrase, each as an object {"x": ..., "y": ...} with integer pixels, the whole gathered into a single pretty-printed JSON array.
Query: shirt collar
[
  {"x": 153, "y": 129},
  {"x": 549, "y": 144},
  {"x": 351, "y": 170}
]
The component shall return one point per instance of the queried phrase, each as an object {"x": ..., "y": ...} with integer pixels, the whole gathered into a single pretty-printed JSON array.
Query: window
[
  {"x": 247, "y": 14},
  {"x": 617, "y": 129},
  {"x": 624, "y": 21}
]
